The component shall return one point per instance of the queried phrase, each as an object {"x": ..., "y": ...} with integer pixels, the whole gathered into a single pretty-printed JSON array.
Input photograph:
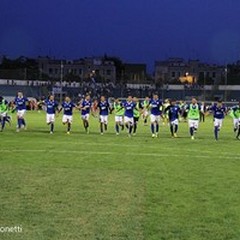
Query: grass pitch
[{"x": 80, "y": 186}]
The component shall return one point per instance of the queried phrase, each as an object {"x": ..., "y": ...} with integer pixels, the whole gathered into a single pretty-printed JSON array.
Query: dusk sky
[{"x": 134, "y": 30}]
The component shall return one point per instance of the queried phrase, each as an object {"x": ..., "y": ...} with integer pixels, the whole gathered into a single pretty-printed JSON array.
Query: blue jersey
[
  {"x": 218, "y": 112},
  {"x": 87, "y": 105},
  {"x": 68, "y": 108},
  {"x": 103, "y": 108},
  {"x": 51, "y": 106},
  {"x": 155, "y": 106},
  {"x": 20, "y": 103},
  {"x": 173, "y": 112},
  {"x": 129, "y": 107}
]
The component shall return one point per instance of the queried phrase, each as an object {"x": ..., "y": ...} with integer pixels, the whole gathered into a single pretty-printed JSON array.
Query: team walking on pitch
[{"x": 127, "y": 114}]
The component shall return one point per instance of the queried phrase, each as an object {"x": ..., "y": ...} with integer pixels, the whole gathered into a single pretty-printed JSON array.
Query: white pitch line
[
  {"x": 113, "y": 153},
  {"x": 131, "y": 145}
]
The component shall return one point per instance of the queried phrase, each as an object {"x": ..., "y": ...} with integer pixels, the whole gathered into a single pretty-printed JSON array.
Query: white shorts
[
  {"x": 103, "y": 119},
  {"x": 67, "y": 118},
  {"x": 154, "y": 118},
  {"x": 119, "y": 119},
  {"x": 50, "y": 118},
  {"x": 128, "y": 120},
  {"x": 193, "y": 123},
  {"x": 218, "y": 122},
  {"x": 21, "y": 113},
  {"x": 85, "y": 116},
  {"x": 3, "y": 114},
  {"x": 236, "y": 122},
  {"x": 175, "y": 122}
]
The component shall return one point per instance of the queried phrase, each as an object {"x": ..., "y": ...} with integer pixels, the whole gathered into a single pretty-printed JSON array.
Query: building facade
[
  {"x": 177, "y": 70},
  {"x": 134, "y": 73},
  {"x": 82, "y": 69}
]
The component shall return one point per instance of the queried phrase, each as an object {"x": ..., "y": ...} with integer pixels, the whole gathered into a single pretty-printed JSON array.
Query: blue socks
[
  {"x": 117, "y": 128},
  {"x": 216, "y": 132},
  {"x": 152, "y": 128}
]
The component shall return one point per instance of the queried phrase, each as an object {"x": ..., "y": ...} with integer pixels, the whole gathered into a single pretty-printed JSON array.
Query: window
[
  {"x": 214, "y": 74},
  {"x": 80, "y": 71},
  {"x": 173, "y": 74},
  {"x": 56, "y": 71},
  {"x": 109, "y": 72},
  {"x": 50, "y": 70}
]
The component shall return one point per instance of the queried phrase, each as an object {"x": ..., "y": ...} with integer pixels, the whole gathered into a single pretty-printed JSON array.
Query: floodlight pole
[
  {"x": 226, "y": 82},
  {"x": 61, "y": 80},
  {"x": 204, "y": 86}
]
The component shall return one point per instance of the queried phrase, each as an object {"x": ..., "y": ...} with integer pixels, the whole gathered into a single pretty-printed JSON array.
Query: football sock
[
  {"x": 191, "y": 131},
  {"x": 3, "y": 122},
  {"x": 216, "y": 132},
  {"x": 134, "y": 127},
  {"x": 152, "y": 128},
  {"x": 130, "y": 129},
  {"x": 176, "y": 128},
  {"x": 117, "y": 127},
  {"x": 19, "y": 122},
  {"x": 238, "y": 134},
  {"x": 69, "y": 127},
  {"x": 52, "y": 127}
]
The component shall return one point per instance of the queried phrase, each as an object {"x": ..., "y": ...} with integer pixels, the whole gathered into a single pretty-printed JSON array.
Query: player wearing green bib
[
  {"x": 119, "y": 113},
  {"x": 136, "y": 114},
  {"x": 3, "y": 113},
  {"x": 164, "y": 115},
  {"x": 193, "y": 117},
  {"x": 235, "y": 114},
  {"x": 146, "y": 103}
]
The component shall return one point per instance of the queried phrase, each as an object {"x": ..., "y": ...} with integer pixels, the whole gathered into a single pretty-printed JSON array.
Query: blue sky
[{"x": 136, "y": 31}]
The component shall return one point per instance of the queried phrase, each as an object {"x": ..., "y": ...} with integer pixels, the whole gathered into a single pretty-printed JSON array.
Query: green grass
[{"x": 80, "y": 186}]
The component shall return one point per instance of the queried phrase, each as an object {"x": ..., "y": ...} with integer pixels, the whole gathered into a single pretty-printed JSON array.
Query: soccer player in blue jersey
[
  {"x": 67, "y": 107},
  {"x": 173, "y": 111},
  {"x": 104, "y": 109},
  {"x": 85, "y": 108},
  {"x": 219, "y": 111},
  {"x": 155, "y": 108},
  {"x": 128, "y": 114},
  {"x": 21, "y": 106},
  {"x": 51, "y": 107}
]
